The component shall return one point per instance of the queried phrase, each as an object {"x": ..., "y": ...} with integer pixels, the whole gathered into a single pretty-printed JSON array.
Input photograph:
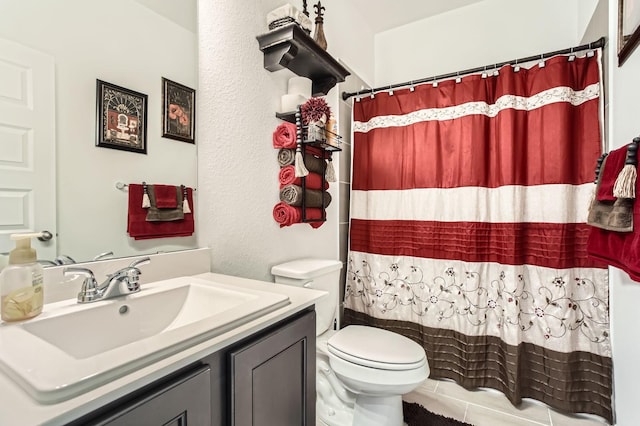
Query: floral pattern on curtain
[{"x": 468, "y": 230}]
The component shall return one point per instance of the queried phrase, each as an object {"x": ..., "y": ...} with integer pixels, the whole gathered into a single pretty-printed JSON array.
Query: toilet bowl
[
  {"x": 334, "y": 403},
  {"x": 378, "y": 366},
  {"x": 361, "y": 372}
]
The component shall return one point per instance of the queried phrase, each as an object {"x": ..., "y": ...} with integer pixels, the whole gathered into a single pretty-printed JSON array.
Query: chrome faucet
[{"x": 122, "y": 282}]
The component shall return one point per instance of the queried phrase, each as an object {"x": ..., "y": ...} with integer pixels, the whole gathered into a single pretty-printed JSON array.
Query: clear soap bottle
[{"x": 21, "y": 282}]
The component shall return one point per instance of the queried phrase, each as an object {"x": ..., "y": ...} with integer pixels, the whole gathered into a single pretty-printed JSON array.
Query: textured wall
[{"x": 237, "y": 168}]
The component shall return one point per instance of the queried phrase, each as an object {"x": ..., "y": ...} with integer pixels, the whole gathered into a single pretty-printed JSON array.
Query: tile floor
[{"x": 490, "y": 407}]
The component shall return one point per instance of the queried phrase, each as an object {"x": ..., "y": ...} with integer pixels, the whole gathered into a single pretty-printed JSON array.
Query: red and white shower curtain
[{"x": 468, "y": 230}]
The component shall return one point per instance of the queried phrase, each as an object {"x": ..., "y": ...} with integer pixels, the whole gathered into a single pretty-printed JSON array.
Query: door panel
[
  {"x": 273, "y": 379},
  {"x": 187, "y": 402},
  {"x": 27, "y": 145}
]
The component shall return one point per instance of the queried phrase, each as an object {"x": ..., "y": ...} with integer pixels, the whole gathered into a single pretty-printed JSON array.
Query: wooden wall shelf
[{"x": 290, "y": 47}]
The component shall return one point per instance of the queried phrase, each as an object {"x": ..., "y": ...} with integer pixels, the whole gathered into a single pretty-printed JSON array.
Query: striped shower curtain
[{"x": 468, "y": 234}]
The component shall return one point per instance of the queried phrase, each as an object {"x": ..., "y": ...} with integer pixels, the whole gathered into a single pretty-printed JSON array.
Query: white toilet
[{"x": 362, "y": 372}]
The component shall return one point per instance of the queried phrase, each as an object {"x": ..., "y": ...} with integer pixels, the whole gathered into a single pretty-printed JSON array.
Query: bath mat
[{"x": 417, "y": 415}]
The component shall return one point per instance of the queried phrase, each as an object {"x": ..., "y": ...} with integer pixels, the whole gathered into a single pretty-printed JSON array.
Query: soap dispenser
[{"x": 21, "y": 289}]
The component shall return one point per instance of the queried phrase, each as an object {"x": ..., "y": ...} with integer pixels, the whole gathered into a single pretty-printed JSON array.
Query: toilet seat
[
  {"x": 321, "y": 341},
  {"x": 376, "y": 348},
  {"x": 376, "y": 364}
]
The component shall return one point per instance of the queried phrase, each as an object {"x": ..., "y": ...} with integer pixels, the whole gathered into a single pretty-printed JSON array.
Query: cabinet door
[
  {"x": 273, "y": 379},
  {"x": 185, "y": 402}
]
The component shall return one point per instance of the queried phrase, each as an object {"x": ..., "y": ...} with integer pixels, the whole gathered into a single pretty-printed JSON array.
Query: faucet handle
[
  {"x": 64, "y": 259},
  {"x": 139, "y": 262},
  {"x": 102, "y": 255},
  {"x": 134, "y": 280},
  {"x": 132, "y": 275},
  {"x": 89, "y": 290}
]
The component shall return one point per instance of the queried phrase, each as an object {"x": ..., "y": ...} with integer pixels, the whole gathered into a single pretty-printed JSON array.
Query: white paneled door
[{"x": 27, "y": 146}]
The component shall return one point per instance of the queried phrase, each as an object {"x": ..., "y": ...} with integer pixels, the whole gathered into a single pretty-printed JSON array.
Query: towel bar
[{"x": 123, "y": 186}]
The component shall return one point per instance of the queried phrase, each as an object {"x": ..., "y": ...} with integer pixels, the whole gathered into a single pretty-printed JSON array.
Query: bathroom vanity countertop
[{"x": 17, "y": 407}]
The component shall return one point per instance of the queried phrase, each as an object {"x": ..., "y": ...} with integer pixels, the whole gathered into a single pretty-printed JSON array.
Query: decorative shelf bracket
[{"x": 290, "y": 47}]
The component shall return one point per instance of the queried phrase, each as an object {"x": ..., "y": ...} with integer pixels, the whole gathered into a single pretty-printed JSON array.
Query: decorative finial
[
  {"x": 319, "y": 9},
  {"x": 304, "y": 7},
  {"x": 318, "y": 36}
]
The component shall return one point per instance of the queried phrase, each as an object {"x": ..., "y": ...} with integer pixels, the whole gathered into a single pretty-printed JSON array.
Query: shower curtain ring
[
  {"x": 484, "y": 73},
  {"x": 572, "y": 57},
  {"x": 516, "y": 68},
  {"x": 541, "y": 64},
  {"x": 435, "y": 83},
  {"x": 411, "y": 89},
  {"x": 458, "y": 79},
  {"x": 390, "y": 90}
]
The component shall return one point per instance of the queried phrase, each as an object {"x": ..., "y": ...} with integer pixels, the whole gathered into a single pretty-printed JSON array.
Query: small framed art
[
  {"x": 121, "y": 118},
  {"x": 178, "y": 111},
  {"x": 628, "y": 28}
]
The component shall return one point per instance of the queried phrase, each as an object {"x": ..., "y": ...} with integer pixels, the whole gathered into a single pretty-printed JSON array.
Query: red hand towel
[
  {"x": 287, "y": 176},
  {"x": 285, "y": 135},
  {"x": 287, "y": 215},
  {"x": 615, "y": 163},
  {"x": 140, "y": 229},
  {"x": 166, "y": 196},
  {"x": 618, "y": 249}
]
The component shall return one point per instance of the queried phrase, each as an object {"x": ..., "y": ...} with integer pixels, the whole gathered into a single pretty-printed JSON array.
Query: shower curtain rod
[{"x": 594, "y": 45}]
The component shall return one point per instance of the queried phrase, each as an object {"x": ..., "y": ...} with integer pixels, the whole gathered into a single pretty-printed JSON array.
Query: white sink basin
[{"x": 71, "y": 348}]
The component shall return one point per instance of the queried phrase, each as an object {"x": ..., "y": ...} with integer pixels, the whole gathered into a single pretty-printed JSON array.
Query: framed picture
[
  {"x": 628, "y": 28},
  {"x": 178, "y": 111},
  {"x": 121, "y": 118}
]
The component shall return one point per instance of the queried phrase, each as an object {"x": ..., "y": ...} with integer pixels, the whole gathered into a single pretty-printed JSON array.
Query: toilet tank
[{"x": 318, "y": 274}]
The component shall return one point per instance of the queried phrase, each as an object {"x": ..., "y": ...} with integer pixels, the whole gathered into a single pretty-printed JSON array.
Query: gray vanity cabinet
[
  {"x": 184, "y": 402},
  {"x": 272, "y": 380},
  {"x": 265, "y": 379}
]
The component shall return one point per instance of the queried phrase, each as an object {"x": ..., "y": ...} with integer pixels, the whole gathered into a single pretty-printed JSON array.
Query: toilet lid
[{"x": 376, "y": 348}]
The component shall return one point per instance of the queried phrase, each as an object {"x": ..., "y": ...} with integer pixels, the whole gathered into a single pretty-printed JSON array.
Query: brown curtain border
[{"x": 575, "y": 382}]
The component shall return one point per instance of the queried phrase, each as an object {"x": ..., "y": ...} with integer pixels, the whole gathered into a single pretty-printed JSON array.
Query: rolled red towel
[
  {"x": 287, "y": 215},
  {"x": 285, "y": 135},
  {"x": 287, "y": 176}
]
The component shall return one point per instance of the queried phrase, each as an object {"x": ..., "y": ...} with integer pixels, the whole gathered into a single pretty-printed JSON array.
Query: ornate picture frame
[
  {"x": 628, "y": 28},
  {"x": 178, "y": 111},
  {"x": 121, "y": 118}
]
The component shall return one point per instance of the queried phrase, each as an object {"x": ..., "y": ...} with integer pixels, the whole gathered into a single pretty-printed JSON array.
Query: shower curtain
[{"x": 468, "y": 232}]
